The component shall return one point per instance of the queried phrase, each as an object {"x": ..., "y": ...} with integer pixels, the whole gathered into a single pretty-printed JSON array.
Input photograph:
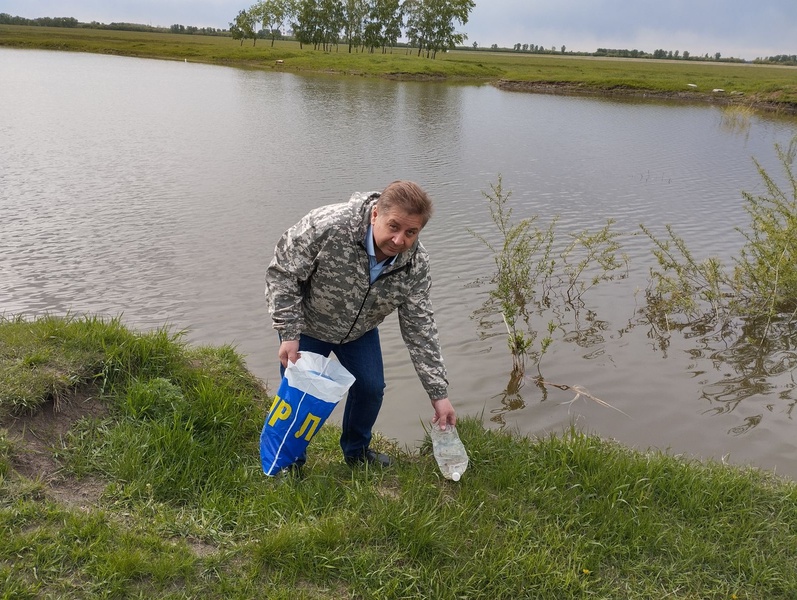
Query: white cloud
[{"x": 736, "y": 28}]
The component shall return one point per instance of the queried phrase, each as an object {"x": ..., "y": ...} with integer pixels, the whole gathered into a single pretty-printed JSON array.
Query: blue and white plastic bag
[{"x": 309, "y": 391}]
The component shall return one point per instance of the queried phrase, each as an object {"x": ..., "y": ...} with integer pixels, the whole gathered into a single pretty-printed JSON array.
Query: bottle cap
[{"x": 455, "y": 476}]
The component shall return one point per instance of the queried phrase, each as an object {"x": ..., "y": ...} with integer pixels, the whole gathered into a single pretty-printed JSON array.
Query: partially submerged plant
[
  {"x": 533, "y": 280},
  {"x": 763, "y": 283},
  {"x": 766, "y": 271},
  {"x": 683, "y": 286},
  {"x": 522, "y": 261},
  {"x": 736, "y": 118},
  {"x": 589, "y": 259}
]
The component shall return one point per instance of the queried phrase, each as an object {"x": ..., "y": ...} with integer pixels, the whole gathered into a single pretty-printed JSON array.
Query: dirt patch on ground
[
  {"x": 36, "y": 437},
  {"x": 35, "y": 440},
  {"x": 723, "y": 98}
]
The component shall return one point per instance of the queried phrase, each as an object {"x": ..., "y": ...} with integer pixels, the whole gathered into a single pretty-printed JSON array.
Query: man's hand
[
  {"x": 289, "y": 351},
  {"x": 444, "y": 414}
]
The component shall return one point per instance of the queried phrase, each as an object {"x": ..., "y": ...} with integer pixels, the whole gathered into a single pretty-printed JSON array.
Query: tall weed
[
  {"x": 538, "y": 279},
  {"x": 766, "y": 270},
  {"x": 762, "y": 286}
]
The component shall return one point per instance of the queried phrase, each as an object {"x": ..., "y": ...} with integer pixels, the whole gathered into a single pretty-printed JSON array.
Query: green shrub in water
[
  {"x": 763, "y": 283},
  {"x": 535, "y": 275},
  {"x": 766, "y": 271}
]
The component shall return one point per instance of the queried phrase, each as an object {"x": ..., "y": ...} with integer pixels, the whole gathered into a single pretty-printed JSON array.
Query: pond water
[{"x": 157, "y": 190}]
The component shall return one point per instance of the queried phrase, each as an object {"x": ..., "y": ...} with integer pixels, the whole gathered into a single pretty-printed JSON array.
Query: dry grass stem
[{"x": 580, "y": 391}]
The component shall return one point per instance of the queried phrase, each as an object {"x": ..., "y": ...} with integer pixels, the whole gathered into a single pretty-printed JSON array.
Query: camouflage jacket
[{"x": 318, "y": 283}]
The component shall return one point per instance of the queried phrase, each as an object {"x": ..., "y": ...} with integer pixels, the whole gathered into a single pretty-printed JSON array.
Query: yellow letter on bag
[
  {"x": 316, "y": 421},
  {"x": 280, "y": 410}
]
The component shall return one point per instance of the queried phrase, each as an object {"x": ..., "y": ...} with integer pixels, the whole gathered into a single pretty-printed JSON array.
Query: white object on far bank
[{"x": 449, "y": 452}]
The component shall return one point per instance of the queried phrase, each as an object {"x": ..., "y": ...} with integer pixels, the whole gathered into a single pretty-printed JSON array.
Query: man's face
[{"x": 394, "y": 231}]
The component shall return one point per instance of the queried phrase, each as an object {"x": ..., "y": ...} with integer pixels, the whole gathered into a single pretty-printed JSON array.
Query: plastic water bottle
[{"x": 449, "y": 452}]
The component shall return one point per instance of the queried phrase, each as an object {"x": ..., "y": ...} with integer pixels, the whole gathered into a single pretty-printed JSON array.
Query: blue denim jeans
[{"x": 363, "y": 359}]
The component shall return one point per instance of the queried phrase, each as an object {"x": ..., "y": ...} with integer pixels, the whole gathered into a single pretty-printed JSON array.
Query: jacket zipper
[{"x": 368, "y": 291}]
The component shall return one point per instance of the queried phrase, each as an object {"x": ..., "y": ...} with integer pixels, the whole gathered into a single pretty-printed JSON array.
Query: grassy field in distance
[{"x": 766, "y": 86}]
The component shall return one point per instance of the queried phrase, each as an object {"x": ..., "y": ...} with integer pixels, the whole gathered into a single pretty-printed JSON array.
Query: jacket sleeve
[
  {"x": 419, "y": 331},
  {"x": 292, "y": 266}
]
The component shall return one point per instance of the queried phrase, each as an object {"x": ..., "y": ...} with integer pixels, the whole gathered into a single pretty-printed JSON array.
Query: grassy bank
[
  {"x": 770, "y": 87},
  {"x": 145, "y": 482}
]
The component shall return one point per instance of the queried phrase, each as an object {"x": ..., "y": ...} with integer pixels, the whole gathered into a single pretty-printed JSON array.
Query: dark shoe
[
  {"x": 372, "y": 458},
  {"x": 292, "y": 471}
]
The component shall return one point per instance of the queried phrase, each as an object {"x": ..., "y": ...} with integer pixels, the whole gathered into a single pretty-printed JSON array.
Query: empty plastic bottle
[{"x": 449, "y": 452}]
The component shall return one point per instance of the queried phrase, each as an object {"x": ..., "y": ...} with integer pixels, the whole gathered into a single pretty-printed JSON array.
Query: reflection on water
[
  {"x": 749, "y": 363},
  {"x": 157, "y": 190},
  {"x": 737, "y": 118},
  {"x": 760, "y": 363}
]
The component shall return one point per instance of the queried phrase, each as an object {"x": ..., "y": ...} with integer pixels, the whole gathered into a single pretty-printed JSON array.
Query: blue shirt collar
[{"x": 375, "y": 267}]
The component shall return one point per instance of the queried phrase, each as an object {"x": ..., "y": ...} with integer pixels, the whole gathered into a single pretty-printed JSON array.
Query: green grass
[
  {"x": 183, "y": 510},
  {"x": 42, "y": 360},
  {"x": 226, "y": 51},
  {"x": 756, "y": 84}
]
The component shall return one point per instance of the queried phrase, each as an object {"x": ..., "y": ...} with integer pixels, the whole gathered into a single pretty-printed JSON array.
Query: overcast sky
[{"x": 741, "y": 28}]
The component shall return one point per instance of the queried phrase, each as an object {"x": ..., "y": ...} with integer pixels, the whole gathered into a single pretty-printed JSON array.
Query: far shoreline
[
  {"x": 720, "y": 98},
  {"x": 753, "y": 87}
]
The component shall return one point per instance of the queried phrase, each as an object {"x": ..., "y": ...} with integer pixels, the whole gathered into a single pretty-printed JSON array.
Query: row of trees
[
  {"x": 429, "y": 25},
  {"x": 71, "y": 22},
  {"x": 533, "y": 48},
  {"x": 675, "y": 55},
  {"x": 782, "y": 59},
  {"x": 620, "y": 53},
  {"x": 193, "y": 30},
  {"x": 7, "y": 19},
  {"x": 661, "y": 54}
]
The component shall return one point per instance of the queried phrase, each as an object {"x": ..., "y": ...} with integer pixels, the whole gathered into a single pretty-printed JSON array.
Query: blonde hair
[{"x": 408, "y": 197}]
